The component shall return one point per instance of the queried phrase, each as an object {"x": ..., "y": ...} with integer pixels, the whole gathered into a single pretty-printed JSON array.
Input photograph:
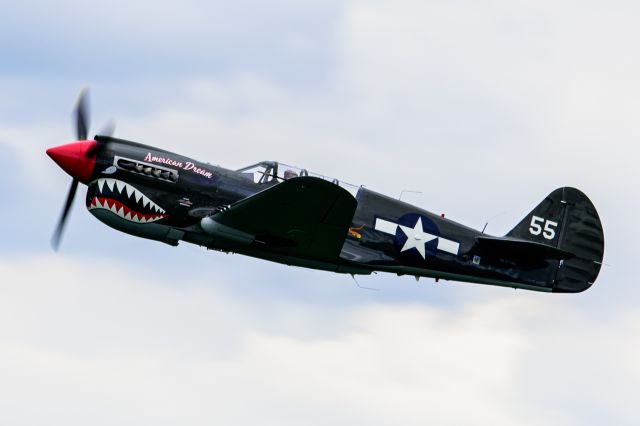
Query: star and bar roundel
[{"x": 417, "y": 233}]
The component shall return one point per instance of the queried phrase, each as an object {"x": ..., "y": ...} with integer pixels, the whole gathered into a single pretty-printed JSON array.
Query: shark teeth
[
  {"x": 128, "y": 190},
  {"x": 123, "y": 211}
]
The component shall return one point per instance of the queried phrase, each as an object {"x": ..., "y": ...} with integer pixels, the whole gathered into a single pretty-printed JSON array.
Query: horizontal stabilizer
[{"x": 516, "y": 247}]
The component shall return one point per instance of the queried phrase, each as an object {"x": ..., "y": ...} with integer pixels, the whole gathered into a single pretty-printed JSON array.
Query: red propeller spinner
[{"x": 77, "y": 158}]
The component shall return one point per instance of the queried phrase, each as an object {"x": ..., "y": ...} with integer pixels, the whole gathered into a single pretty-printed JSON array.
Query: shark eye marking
[
  {"x": 146, "y": 169},
  {"x": 126, "y": 201}
]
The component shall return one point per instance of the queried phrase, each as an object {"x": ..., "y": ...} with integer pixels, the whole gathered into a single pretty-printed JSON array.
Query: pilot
[{"x": 288, "y": 174}]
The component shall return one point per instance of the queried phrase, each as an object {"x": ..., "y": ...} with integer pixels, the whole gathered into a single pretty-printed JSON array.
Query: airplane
[{"x": 289, "y": 215}]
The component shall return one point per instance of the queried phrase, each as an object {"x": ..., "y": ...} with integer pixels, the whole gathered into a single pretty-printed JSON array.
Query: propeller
[
  {"x": 81, "y": 114},
  {"x": 108, "y": 128},
  {"x": 57, "y": 235},
  {"x": 81, "y": 118}
]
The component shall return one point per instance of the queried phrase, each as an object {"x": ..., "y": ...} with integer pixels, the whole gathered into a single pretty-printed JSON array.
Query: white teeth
[
  {"x": 156, "y": 208},
  {"x": 120, "y": 211},
  {"x": 127, "y": 191}
]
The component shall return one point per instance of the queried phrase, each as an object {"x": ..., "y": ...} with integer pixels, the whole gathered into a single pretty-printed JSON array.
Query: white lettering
[{"x": 175, "y": 163}]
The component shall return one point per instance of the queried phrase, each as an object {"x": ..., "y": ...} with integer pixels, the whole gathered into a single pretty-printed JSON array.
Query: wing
[{"x": 304, "y": 216}]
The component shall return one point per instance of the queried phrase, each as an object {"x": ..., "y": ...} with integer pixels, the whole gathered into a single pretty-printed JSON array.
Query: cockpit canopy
[{"x": 271, "y": 172}]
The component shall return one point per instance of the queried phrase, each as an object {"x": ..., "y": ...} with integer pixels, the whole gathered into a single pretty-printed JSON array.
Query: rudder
[{"x": 566, "y": 219}]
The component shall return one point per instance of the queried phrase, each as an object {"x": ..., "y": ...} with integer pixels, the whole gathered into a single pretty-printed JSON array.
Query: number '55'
[{"x": 548, "y": 231}]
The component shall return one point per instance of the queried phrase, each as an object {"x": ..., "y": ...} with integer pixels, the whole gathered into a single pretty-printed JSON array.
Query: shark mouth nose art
[{"x": 126, "y": 201}]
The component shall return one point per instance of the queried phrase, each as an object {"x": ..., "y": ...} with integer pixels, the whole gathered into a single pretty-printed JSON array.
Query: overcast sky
[{"x": 485, "y": 107}]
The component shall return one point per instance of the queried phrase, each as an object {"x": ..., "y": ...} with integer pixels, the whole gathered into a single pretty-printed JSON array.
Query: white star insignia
[{"x": 416, "y": 238}]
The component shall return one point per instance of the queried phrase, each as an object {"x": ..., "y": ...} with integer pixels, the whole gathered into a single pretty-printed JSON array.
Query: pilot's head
[{"x": 288, "y": 174}]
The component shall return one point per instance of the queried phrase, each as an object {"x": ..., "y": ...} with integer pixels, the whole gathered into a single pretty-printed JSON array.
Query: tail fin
[{"x": 567, "y": 220}]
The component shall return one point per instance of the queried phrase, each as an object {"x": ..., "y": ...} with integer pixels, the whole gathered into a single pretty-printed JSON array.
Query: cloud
[
  {"x": 78, "y": 341},
  {"x": 485, "y": 108},
  {"x": 123, "y": 41}
]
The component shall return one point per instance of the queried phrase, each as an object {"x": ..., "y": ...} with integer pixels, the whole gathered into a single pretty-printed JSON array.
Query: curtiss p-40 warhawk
[{"x": 289, "y": 215}]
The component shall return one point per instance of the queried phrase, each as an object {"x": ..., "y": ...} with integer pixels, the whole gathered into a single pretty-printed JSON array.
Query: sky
[{"x": 483, "y": 107}]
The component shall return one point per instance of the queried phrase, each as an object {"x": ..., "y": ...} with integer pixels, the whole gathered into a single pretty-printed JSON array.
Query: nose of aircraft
[{"x": 75, "y": 158}]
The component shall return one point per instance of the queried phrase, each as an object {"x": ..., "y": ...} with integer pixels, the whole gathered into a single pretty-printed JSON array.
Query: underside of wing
[{"x": 302, "y": 217}]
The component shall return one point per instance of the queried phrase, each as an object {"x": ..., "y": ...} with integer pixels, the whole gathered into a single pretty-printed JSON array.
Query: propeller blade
[
  {"x": 108, "y": 128},
  {"x": 82, "y": 115},
  {"x": 57, "y": 235}
]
